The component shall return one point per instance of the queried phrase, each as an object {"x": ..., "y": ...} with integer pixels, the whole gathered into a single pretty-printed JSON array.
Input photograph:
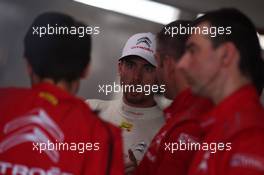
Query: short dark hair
[
  {"x": 59, "y": 56},
  {"x": 172, "y": 45},
  {"x": 243, "y": 36}
]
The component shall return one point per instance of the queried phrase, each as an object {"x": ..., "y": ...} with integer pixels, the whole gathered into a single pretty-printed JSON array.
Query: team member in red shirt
[
  {"x": 181, "y": 116},
  {"x": 228, "y": 69},
  {"x": 46, "y": 129}
]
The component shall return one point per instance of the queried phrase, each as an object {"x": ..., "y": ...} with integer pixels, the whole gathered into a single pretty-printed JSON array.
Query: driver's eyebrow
[
  {"x": 129, "y": 61},
  {"x": 148, "y": 64}
]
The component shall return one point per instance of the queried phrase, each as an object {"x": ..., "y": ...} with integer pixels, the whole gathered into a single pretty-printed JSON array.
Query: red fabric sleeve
[{"x": 247, "y": 155}]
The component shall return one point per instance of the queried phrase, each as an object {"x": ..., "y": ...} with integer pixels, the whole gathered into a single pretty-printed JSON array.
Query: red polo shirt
[
  {"x": 181, "y": 124},
  {"x": 239, "y": 121},
  {"x": 45, "y": 130}
]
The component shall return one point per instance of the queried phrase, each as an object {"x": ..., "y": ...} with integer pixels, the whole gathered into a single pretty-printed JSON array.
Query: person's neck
[
  {"x": 230, "y": 86},
  {"x": 178, "y": 90},
  {"x": 71, "y": 87},
  {"x": 179, "y": 86}
]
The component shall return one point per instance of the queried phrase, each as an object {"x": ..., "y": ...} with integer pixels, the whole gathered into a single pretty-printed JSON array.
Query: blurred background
[{"x": 117, "y": 19}]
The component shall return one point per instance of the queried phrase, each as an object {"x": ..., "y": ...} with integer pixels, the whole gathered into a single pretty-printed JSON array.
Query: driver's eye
[{"x": 149, "y": 68}]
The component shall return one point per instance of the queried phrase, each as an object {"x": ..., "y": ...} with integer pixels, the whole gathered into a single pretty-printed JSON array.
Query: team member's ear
[
  {"x": 86, "y": 71},
  {"x": 33, "y": 77},
  {"x": 28, "y": 67},
  {"x": 228, "y": 53}
]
